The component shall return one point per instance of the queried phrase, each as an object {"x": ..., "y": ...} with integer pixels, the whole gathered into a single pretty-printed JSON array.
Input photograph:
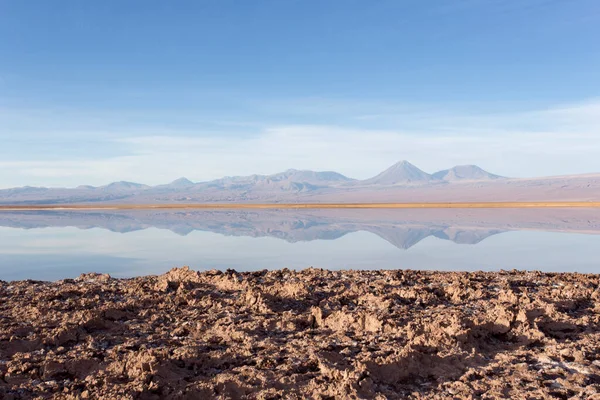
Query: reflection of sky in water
[
  {"x": 58, "y": 266},
  {"x": 54, "y": 253}
]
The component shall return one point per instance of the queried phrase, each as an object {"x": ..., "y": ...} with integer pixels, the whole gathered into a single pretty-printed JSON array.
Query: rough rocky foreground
[{"x": 311, "y": 334}]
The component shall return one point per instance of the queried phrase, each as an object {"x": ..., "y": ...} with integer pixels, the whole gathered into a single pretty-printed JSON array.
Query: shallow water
[{"x": 55, "y": 245}]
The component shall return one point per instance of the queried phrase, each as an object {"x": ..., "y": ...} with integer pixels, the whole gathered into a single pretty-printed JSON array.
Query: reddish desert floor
[{"x": 310, "y": 334}]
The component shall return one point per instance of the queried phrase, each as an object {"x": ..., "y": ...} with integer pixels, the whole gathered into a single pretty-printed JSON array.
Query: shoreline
[
  {"x": 311, "y": 333},
  {"x": 188, "y": 274},
  {"x": 466, "y": 205}
]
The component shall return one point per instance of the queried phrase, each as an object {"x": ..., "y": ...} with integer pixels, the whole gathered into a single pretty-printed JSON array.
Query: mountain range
[{"x": 402, "y": 182}]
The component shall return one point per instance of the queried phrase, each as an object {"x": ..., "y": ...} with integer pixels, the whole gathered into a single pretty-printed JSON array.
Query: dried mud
[{"x": 310, "y": 334}]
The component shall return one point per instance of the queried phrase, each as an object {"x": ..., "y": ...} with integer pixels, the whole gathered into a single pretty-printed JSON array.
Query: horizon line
[{"x": 521, "y": 204}]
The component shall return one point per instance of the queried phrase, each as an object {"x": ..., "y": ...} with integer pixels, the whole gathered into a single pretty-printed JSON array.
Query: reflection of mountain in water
[
  {"x": 472, "y": 236},
  {"x": 403, "y": 229},
  {"x": 405, "y": 238}
]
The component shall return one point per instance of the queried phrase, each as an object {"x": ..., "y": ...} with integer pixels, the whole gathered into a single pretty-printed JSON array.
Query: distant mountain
[
  {"x": 402, "y": 182},
  {"x": 179, "y": 183},
  {"x": 464, "y": 172},
  {"x": 291, "y": 180},
  {"x": 123, "y": 185},
  {"x": 311, "y": 177},
  {"x": 182, "y": 182},
  {"x": 25, "y": 189},
  {"x": 399, "y": 173},
  {"x": 291, "y": 175}
]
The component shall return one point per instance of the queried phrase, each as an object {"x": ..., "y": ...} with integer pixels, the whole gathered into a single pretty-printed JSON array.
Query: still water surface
[{"x": 56, "y": 245}]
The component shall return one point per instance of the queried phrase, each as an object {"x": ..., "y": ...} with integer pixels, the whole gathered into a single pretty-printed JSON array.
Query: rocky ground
[{"x": 311, "y": 334}]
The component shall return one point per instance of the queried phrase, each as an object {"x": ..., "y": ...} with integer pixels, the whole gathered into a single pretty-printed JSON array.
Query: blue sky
[{"x": 92, "y": 92}]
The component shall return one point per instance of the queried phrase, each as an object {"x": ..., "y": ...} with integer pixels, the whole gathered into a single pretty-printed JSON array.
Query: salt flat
[{"x": 555, "y": 204}]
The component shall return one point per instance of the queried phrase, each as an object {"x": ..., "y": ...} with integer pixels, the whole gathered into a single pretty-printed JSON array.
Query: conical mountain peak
[
  {"x": 401, "y": 172},
  {"x": 182, "y": 182}
]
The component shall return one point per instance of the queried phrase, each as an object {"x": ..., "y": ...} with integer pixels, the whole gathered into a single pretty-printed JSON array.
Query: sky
[{"x": 150, "y": 91}]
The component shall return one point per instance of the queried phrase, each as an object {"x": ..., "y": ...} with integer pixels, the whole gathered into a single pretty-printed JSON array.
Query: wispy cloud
[{"x": 558, "y": 140}]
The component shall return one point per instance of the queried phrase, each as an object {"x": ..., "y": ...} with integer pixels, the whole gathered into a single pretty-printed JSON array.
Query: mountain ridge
[
  {"x": 401, "y": 182},
  {"x": 400, "y": 168},
  {"x": 465, "y": 172}
]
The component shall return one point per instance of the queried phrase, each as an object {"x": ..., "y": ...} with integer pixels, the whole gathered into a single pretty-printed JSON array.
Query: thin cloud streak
[{"x": 561, "y": 140}]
